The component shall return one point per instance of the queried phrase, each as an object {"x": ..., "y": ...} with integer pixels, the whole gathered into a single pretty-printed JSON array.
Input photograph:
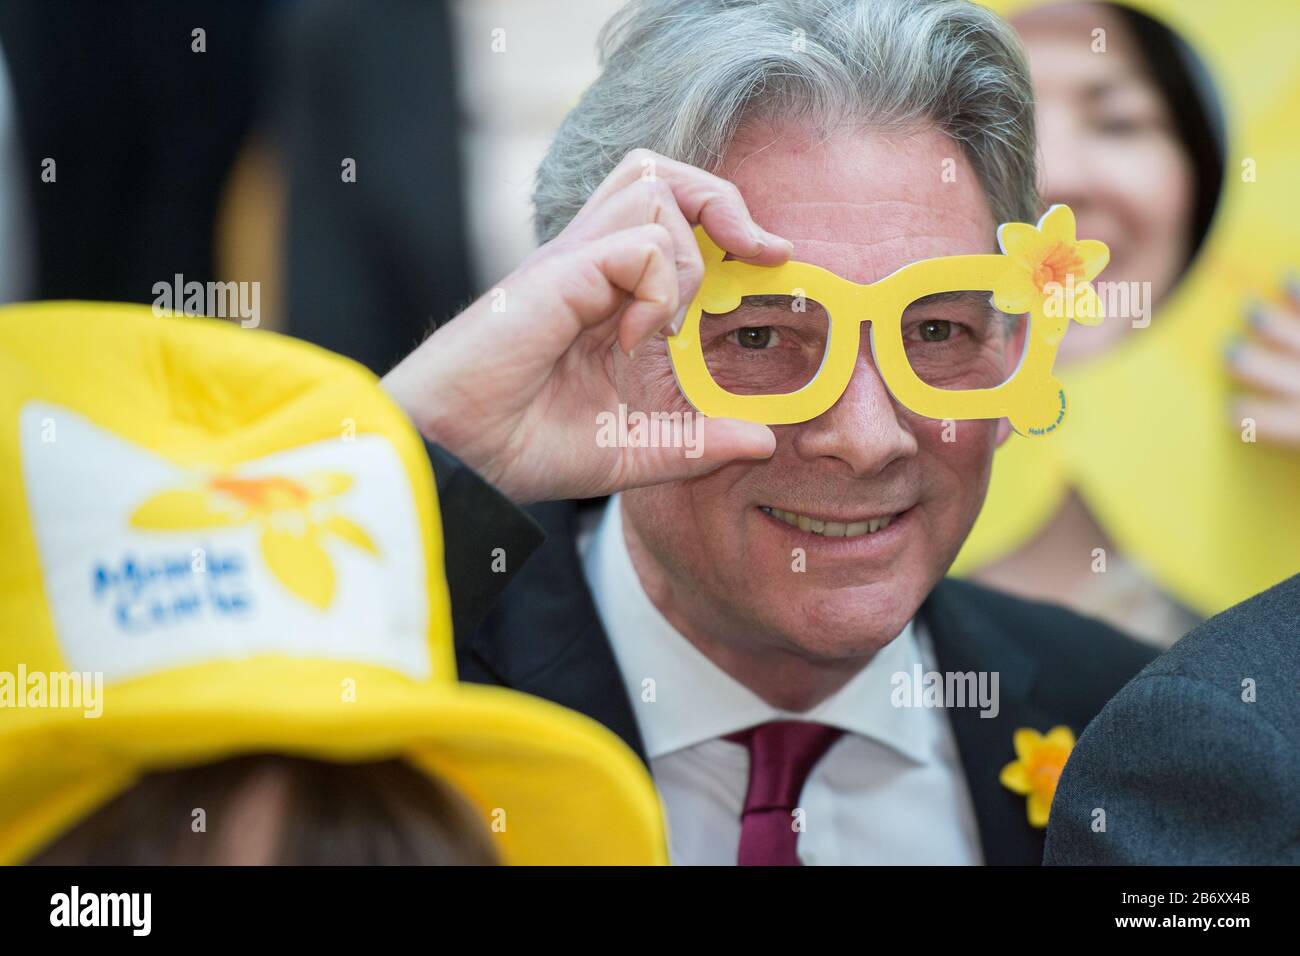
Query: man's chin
[{"x": 847, "y": 623}]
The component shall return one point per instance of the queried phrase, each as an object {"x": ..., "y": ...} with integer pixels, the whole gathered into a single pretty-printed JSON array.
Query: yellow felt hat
[
  {"x": 236, "y": 537},
  {"x": 1150, "y": 447}
]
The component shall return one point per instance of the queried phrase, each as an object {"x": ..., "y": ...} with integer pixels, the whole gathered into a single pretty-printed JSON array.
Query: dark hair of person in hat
[{"x": 275, "y": 809}]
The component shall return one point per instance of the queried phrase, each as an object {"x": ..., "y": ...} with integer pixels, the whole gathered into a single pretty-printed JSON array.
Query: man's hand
[
  {"x": 514, "y": 384},
  {"x": 1268, "y": 363}
]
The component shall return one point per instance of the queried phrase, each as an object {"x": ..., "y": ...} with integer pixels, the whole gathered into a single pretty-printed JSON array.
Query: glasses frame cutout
[{"x": 1031, "y": 398}]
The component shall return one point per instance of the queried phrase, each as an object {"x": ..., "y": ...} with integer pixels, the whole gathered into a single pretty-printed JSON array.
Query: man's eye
[
  {"x": 756, "y": 337},
  {"x": 935, "y": 330}
]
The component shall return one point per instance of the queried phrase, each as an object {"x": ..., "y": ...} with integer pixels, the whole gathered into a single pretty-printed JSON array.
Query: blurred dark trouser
[
  {"x": 142, "y": 129},
  {"x": 372, "y": 264}
]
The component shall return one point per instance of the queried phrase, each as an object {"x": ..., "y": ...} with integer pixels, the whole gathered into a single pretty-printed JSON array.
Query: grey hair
[{"x": 680, "y": 76}]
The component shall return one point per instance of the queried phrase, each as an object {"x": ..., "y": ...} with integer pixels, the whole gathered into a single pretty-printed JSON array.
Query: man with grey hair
[{"x": 759, "y": 622}]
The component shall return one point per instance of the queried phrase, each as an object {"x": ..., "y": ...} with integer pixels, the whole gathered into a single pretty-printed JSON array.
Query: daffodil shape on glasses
[
  {"x": 1056, "y": 269},
  {"x": 295, "y": 517},
  {"x": 1043, "y": 272}
]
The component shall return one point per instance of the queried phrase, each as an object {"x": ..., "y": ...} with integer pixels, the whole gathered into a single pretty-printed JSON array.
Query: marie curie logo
[
  {"x": 314, "y": 550},
  {"x": 294, "y": 518},
  {"x": 149, "y": 592}
]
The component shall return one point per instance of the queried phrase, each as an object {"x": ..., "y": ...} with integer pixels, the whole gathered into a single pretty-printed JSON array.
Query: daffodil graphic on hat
[
  {"x": 1056, "y": 268},
  {"x": 295, "y": 516}
]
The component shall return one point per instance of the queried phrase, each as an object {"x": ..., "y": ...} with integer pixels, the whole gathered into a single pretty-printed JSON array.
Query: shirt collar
[{"x": 694, "y": 700}]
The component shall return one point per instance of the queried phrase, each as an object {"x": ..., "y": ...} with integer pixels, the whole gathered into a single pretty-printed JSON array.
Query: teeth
[{"x": 831, "y": 529}]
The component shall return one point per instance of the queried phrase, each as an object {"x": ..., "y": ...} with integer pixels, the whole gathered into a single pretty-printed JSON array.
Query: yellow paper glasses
[{"x": 778, "y": 345}]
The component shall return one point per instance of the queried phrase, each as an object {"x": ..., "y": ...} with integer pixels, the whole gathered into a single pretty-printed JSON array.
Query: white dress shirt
[{"x": 890, "y": 791}]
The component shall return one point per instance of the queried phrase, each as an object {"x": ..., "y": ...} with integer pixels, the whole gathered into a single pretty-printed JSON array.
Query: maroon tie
[{"x": 781, "y": 755}]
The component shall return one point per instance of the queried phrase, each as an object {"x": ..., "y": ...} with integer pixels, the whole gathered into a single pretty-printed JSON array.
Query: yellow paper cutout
[{"x": 1040, "y": 266}]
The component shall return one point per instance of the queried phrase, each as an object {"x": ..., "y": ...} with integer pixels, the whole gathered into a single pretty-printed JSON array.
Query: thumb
[{"x": 705, "y": 445}]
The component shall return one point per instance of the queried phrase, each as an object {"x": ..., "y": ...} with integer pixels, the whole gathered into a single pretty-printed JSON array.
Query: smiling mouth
[{"x": 830, "y": 529}]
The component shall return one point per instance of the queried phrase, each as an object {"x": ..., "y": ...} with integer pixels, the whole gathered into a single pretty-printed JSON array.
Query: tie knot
[{"x": 781, "y": 755}]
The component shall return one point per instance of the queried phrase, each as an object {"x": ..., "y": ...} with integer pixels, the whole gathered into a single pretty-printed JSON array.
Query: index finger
[{"x": 704, "y": 199}]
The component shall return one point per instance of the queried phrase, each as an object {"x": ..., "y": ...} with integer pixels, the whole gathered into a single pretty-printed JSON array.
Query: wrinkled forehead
[{"x": 859, "y": 202}]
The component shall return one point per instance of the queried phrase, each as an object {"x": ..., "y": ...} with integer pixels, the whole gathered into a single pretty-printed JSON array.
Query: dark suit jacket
[
  {"x": 542, "y": 635},
  {"x": 1187, "y": 768}
]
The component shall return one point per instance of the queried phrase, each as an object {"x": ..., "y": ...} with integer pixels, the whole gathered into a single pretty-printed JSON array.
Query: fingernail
[
  {"x": 675, "y": 326},
  {"x": 760, "y": 237},
  {"x": 765, "y": 239},
  {"x": 770, "y": 446},
  {"x": 1292, "y": 285}
]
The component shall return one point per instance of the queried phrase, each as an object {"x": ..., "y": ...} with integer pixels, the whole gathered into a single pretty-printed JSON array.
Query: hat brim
[{"x": 553, "y": 787}]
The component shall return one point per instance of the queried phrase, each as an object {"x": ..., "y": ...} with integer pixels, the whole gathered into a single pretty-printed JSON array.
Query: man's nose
[{"x": 863, "y": 429}]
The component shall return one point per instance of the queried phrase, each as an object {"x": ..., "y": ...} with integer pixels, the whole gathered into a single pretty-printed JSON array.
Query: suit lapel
[
  {"x": 965, "y": 639},
  {"x": 544, "y": 636}
]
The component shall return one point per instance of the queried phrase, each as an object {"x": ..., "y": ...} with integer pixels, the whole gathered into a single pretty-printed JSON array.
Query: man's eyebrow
[
  {"x": 972, "y": 297},
  {"x": 960, "y": 296},
  {"x": 774, "y": 302},
  {"x": 766, "y": 301}
]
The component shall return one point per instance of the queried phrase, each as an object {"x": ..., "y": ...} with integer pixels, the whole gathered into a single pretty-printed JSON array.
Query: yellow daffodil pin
[{"x": 1040, "y": 758}]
